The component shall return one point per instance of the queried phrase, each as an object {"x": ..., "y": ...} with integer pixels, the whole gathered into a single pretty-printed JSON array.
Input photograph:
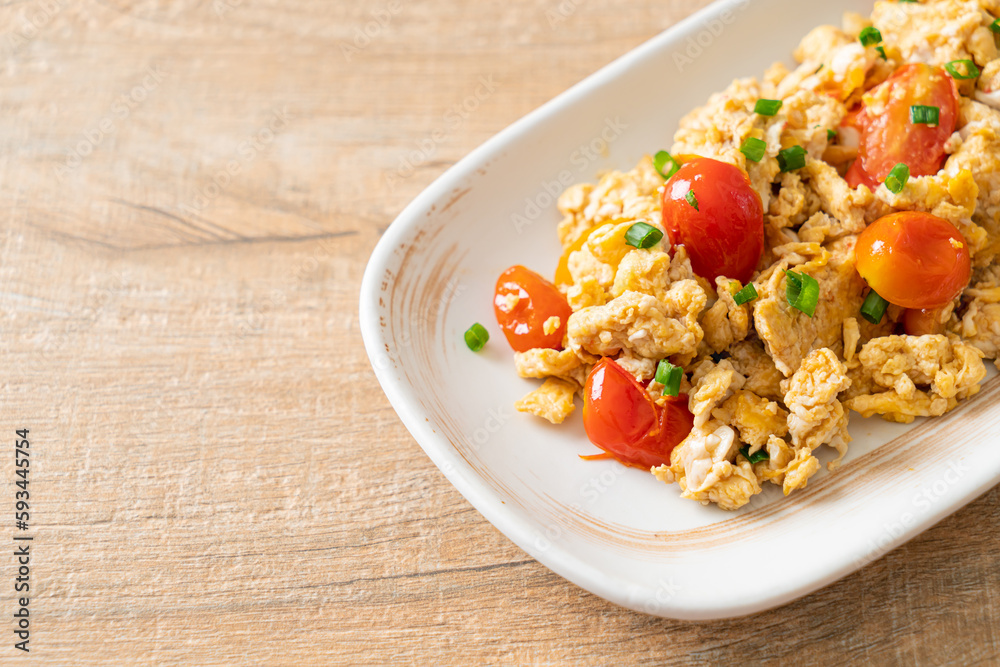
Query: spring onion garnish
[
  {"x": 670, "y": 377},
  {"x": 874, "y": 307},
  {"x": 923, "y": 115},
  {"x": 962, "y": 69},
  {"x": 756, "y": 457},
  {"x": 768, "y": 107},
  {"x": 897, "y": 178},
  {"x": 830, "y": 135},
  {"x": 802, "y": 292},
  {"x": 665, "y": 161},
  {"x": 790, "y": 159},
  {"x": 995, "y": 26},
  {"x": 745, "y": 295},
  {"x": 476, "y": 337},
  {"x": 692, "y": 199},
  {"x": 870, "y": 36},
  {"x": 881, "y": 52},
  {"x": 754, "y": 149},
  {"x": 643, "y": 235}
]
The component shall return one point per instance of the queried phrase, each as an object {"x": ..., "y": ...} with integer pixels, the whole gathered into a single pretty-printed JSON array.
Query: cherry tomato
[
  {"x": 522, "y": 303},
  {"x": 622, "y": 419},
  {"x": 923, "y": 322},
  {"x": 711, "y": 208},
  {"x": 915, "y": 260},
  {"x": 887, "y": 135}
]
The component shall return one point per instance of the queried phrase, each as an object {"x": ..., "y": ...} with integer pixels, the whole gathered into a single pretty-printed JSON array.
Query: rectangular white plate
[{"x": 619, "y": 532}]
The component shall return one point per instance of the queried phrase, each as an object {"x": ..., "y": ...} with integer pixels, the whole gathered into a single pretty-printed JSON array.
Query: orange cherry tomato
[
  {"x": 622, "y": 419},
  {"x": 914, "y": 260},
  {"x": 563, "y": 275},
  {"x": 887, "y": 135},
  {"x": 522, "y": 303},
  {"x": 922, "y": 322},
  {"x": 711, "y": 209}
]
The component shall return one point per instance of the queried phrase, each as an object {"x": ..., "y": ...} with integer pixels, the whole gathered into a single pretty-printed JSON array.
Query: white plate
[{"x": 619, "y": 532}]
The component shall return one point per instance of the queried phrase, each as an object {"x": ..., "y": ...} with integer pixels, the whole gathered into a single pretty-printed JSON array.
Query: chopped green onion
[
  {"x": 670, "y": 377},
  {"x": 802, "y": 292},
  {"x": 660, "y": 162},
  {"x": 923, "y": 115},
  {"x": 874, "y": 307},
  {"x": 870, "y": 36},
  {"x": 745, "y": 295},
  {"x": 968, "y": 69},
  {"x": 897, "y": 178},
  {"x": 768, "y": 107},
  {"x": 790, "y": 159},
  {"x": 754, "y": 149},
  {"x": 881, "y": 52},
  {"x": 830, "y": 135},
  {"x": 692, "y": 199},
  {"x": 476, "y": 337},
  {"x": 995, "y": 26},
  {"x": 643, "y": 235},
  {"x": 756, "y": 457}
]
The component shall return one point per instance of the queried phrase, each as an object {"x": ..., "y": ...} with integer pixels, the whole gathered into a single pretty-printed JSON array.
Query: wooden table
[{"x": 191, "y": 189}]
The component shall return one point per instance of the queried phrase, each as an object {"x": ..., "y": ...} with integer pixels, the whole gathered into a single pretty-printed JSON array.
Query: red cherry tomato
[
  {"x": 915, "y": 260},
  {"x": 922, "y": 322},
  {"x": 522, "y": 303},
  {"x": 887, "y": 135},
  {"x": 721, "y": 223},
  {"x": 622, "y": 419}
]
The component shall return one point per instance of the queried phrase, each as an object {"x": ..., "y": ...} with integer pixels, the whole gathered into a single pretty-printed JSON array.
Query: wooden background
[{"x": 190, "y": 190}]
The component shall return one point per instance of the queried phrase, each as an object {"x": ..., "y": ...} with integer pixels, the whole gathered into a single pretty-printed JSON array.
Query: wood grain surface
[{"x": 190, "y": 192}]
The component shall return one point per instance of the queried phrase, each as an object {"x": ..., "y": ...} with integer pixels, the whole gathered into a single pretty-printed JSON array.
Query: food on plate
[
  {"x": 530, "y": 310},
  {"x": 818, "y": 241}
]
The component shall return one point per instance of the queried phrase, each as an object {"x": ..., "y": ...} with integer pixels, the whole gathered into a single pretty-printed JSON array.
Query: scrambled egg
[{"x": 763, "y": 378}]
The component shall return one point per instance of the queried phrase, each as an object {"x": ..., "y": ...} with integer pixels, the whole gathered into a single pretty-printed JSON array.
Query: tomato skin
[
  {"x": 724, "y": 236},
  {"x": 536, "y": 301},
  {"x": 914, "y": 260},
  {"x": 887, "y": 135},
  {"x": 923, "y": 322},
  {"x": 857, "y": 175},
  {"x": 622, "y": 419}
]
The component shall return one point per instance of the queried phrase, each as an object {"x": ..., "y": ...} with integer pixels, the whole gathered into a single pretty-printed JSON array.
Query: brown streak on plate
[
  {"x": 456, "y": 197},
  {"x": 412, "y": 298}
]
